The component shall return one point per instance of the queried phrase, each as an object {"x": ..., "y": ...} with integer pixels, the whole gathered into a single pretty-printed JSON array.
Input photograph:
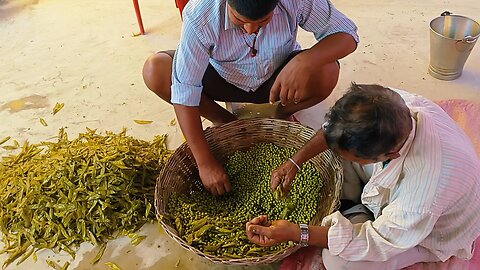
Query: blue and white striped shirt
[{"x": 208, "y": 36}]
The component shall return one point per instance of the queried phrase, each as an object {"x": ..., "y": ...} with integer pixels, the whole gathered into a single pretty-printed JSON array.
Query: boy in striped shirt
[{"x": 246, "y": 51}]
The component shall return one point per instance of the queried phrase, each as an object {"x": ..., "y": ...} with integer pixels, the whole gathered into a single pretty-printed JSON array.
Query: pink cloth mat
[{"x": 466, "y": 114}]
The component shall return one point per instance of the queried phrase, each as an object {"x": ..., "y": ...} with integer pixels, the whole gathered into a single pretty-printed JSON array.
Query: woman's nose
[{"x": 251, "y": 28}]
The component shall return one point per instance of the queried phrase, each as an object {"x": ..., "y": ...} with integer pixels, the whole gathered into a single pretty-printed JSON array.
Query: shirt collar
[
  {"x": 228, "y": 23},
  {"x": 406, "y": 146}
]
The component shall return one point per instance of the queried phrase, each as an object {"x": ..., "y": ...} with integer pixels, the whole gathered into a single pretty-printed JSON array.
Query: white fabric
[
  {"x": 410, "y": 257},
  {"x": 420, "y": 200}
]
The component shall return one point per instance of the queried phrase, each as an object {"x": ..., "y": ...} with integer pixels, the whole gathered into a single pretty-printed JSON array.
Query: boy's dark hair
[
  {"x": 369, "y": 119},
  {"x": 253, "y": 9}
]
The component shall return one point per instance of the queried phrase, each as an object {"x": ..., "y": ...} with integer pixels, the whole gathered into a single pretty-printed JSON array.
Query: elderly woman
[{"x": 410, "y": 168}]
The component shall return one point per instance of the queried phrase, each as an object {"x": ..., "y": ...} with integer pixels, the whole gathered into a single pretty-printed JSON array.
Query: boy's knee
[
  {"x": 325, "y": 81},
  {"x": 157, "y": 72}
]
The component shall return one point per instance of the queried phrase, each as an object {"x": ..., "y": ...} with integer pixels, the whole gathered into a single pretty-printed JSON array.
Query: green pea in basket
[{"x": 180, "y": 174}]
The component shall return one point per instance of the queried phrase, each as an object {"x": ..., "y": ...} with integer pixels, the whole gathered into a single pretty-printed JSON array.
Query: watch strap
[{"x": 304, "y": 235}]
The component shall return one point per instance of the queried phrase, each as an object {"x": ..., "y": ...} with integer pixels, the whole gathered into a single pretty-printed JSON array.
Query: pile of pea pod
[
  {"x": 56, "y": 195},
  {"x": 216, "y": 225}
]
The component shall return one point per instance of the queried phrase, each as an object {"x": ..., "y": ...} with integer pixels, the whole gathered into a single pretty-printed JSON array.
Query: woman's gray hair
[{"x": 369, "y": 120}]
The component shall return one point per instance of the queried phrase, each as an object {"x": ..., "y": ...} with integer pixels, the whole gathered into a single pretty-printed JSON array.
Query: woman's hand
[
  {"x": 284, "y": 175},
  {"x": 267, "y": 233}
]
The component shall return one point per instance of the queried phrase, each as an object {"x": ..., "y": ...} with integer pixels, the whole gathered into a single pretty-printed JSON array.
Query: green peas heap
[{"x": 216, "y": 225}]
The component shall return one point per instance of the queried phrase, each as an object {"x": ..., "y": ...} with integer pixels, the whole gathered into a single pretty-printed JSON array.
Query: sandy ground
[{"x": 84, "y": 54}]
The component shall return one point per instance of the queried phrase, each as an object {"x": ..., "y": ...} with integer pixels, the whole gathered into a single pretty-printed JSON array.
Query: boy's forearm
[
  {"x": 332, "y": 48},
  {"x": 191, "y": 125}
]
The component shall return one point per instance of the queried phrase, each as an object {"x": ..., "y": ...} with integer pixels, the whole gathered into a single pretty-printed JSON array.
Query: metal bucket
[{"x": 452, "y": 38}]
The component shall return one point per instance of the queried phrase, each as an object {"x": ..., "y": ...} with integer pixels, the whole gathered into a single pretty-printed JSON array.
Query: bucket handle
[{"x": 469, "y": 39}]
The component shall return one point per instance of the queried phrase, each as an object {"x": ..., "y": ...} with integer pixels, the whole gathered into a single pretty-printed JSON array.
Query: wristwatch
[{"x": 303, "y": 235}]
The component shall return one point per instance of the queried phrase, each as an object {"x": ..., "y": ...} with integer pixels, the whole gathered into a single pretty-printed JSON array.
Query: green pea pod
[
  {"x": 147, "y": 208},
  {"x": 53, "y": 265},
  {"x": 227, "y": 245},
  {"x": 203, "y": 230},
  {"x": 18, "y": 252},
  {"x": 57, "y": 108},
  {"x": 92, "y": 238},
  {"x": 254, "y": 251},
  {"x": 189, "y": 238},
  {"x": 5, "y": 140},
  {"x": 137, "y": 240},
  {"x": 276, "y": 193},
  {"x": 65, "y": 266},
  {"x": 112, "y": 266},
  {"x": 223, "y": 230},
  {"x": 10, "y": 147},
  {"x": 178, "y": 224},
  {"x": 69, "y": 251},
  {"x": 43, "y": 122},
  {"x": 99, "y": 253},
  {"x": 196, "y": 225},
  {"x": 210, "y": 248},
  {"x": 143, "y": 122},
  {"x": 233, "y": 256},
  {"x": 25, "y": 256},
  {"x": 242, "y": 249}
]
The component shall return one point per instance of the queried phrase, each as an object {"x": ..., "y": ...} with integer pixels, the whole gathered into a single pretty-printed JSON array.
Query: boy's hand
[
  {"x": 266, "y": 233},
  {"x": 284, "y": 175},
  {"x": 290, "y": 86},
  {"x": 214, "y": 178}
]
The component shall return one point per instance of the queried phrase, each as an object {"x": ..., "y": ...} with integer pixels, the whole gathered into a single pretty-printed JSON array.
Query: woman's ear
[{"x": 393, "y": 155}]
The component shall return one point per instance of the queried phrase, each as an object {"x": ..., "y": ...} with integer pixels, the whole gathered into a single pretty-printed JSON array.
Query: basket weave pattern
[{"x": 180, "y": 174}]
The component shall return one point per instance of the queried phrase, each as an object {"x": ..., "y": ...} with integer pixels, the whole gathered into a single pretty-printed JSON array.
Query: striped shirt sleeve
[
  {"x": 189, "y": 64},
  {"x": 390, "y": 234},
  {"x": 323, "y": 19},
  {"x": 420, "y": 198}
]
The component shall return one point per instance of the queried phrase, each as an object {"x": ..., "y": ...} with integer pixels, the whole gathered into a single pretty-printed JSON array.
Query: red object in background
[
  {"x": 179, "y": 3},
  {"x": 139, "y": 16}
]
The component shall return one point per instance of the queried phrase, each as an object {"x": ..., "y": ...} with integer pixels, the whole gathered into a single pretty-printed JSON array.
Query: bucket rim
[{"x": 453, "y": 15}]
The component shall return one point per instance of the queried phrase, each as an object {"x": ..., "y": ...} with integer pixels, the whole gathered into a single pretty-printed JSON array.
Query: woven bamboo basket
[{"x": 180, "y": 174}]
